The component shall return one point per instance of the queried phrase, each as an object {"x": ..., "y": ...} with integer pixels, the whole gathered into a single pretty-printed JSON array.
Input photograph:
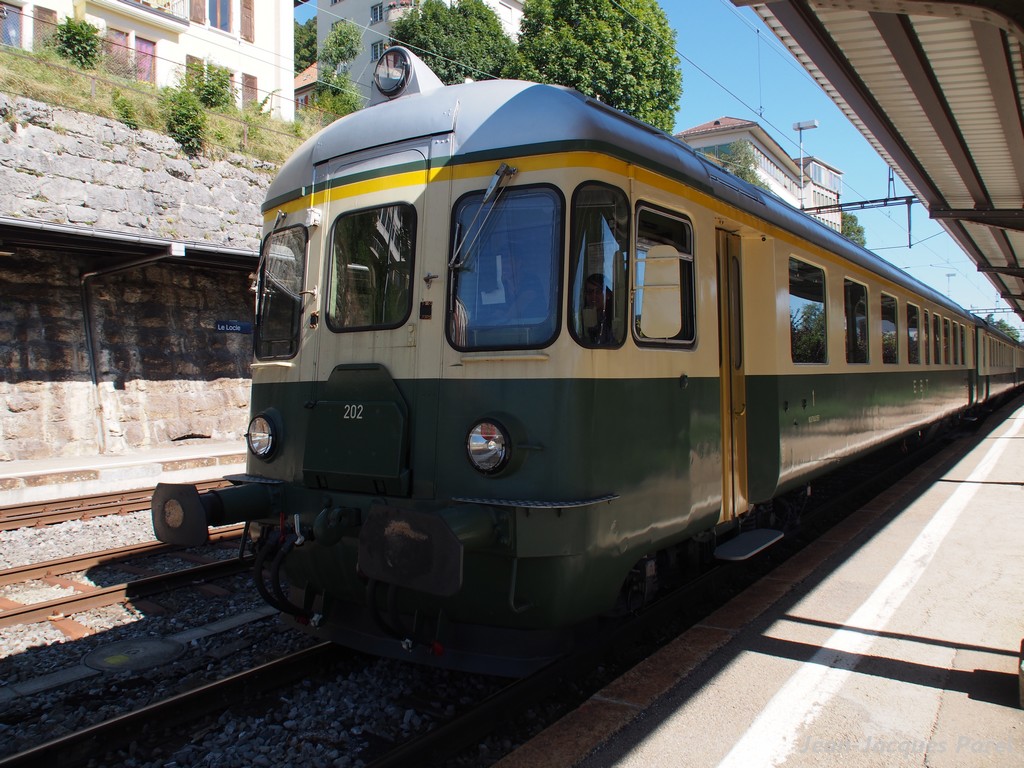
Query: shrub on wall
[
  {"x": 78, "y": 42},
  {"x": 185, "y": 118},
  {"x": 211, "y": 83},
  {"x": 125, "y": 109}
]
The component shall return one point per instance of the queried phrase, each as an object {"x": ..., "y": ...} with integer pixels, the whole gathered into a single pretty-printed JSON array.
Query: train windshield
[
  {"x": 371, "y": 260},
  {"x": 505, "y": 283},
  {"x": 279, "y": 302}
]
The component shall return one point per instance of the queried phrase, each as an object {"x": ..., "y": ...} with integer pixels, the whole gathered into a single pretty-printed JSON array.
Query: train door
[
  {"x": 733, "y": 385},
  {"x": 732, "y": 375},
  {"x": 365, "y": 339}
]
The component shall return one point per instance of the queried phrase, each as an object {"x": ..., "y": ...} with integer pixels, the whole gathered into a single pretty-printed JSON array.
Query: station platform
[
  {"x": 68, "y": 477},
  {"x": 894, "y": 640}
]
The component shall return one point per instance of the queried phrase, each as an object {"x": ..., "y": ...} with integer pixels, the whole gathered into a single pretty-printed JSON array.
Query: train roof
[{"x": 499, "y": 118}]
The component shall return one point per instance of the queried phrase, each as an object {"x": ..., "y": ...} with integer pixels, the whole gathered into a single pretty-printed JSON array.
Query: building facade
[
  {"x": 375, "y": 17},
  {"x": 152, "y": 40},
  {"x": 819, "y": 185}
]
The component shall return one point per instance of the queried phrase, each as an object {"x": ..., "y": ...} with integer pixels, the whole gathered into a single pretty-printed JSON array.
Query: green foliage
[
  {"x": 852, "y": 229},
  {"x": 465, "y": 40},
  {"x": 1003, "y": 326},
  {"x": 35, "y": 76},
  {"x": 619, "y": 51},
  {"x": 184, "y": 118},
  {"x": 343, "y": 44},
  {"x": 211, "y": 84},
  {"x": 305, "y": 44},
  {"x": 125, "y": 109},
  {"x": 336, "y": 94},
  {"x": 79, "y": 42}
]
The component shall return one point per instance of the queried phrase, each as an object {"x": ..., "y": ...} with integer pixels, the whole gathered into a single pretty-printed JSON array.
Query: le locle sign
[{"x": 233, "y": 326}]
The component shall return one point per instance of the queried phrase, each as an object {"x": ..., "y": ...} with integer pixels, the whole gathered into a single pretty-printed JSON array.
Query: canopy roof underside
[{"x": 936, "y": 86}]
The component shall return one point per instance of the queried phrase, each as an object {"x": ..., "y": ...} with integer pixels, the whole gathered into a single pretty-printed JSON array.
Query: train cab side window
[
  {"x": 663, "y": 302},
  {"x": 913, "y": 335},
  {"x": 281, "y": 273},
  {"x": 371, "y": 262},
  {"x": 890, "y": 331},
  {"x": 505, "y": 264},
  {"x": 600, "y": 248},
  {"x": 807, "y": 336},
  {"x": 855, "y": 298}
]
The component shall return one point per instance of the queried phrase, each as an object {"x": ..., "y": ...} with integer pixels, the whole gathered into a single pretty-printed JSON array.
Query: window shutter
[
  {"x": 249, "y": 92},
  {"x": 45, "y": 25},
  {"x": 197, "y": 11},
  {"x": 248, "y": 21}
]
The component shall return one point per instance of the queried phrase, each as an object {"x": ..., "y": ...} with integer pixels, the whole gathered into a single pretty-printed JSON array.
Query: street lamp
[{"x": 803, "y": 125}]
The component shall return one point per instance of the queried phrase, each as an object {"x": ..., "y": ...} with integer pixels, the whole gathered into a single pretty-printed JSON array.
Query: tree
[
  {"x": 852, "y": 229},
  {"x": 305, "y": 44},
  {"x": 335, "y": 92},
  {"x": 1003, "y": 326},
  {"x": 619, "y": 51},
  {"x": 465, "y": 40}
]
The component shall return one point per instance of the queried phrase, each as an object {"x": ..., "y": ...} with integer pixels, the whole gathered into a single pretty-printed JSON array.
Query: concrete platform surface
[
  {"x": 66, "y": 477},
  {"x": 892, "y": 641}
]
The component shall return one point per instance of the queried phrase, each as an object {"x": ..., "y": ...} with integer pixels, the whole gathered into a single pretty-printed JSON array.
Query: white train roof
[{"x": 499, "y": 119}]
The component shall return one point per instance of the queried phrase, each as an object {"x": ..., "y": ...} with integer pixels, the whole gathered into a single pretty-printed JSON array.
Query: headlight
[
  {"x": 260, "y": 437},
  {"x": 391, "y": 74},
  {"x": 488, "y": 447}
]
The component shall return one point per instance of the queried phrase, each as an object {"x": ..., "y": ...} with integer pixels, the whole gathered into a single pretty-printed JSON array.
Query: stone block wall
[{"x": 162, "y": 370}]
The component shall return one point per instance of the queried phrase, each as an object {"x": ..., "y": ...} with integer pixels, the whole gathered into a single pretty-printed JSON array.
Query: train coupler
[{"x": 182, "y": 515}]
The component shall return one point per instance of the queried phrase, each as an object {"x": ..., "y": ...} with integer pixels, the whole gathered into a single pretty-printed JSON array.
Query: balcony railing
[{"x": 176, "y": 8}]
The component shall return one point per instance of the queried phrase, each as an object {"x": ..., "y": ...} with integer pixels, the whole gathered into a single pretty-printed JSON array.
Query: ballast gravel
[{"x": 344, "y": 720}]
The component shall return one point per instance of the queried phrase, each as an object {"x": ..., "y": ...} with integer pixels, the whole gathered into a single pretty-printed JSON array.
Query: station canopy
[{"x": 936, "y": 86}]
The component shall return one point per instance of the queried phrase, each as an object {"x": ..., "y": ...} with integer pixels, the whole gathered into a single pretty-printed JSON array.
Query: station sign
[{"x": 233, "y": 326}]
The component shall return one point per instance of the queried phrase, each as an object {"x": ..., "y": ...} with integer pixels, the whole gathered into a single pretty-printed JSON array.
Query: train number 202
[{"x": 353, "y": 412}]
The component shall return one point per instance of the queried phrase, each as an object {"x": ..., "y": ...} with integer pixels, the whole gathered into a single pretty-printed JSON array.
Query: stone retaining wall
[{"x": 162, "y": 370}]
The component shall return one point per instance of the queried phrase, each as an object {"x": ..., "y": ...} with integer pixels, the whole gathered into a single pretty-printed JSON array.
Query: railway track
[
  {"x": 79, "y": 746},
  {"x": 83, "y": 508},
  {"x": 87, "y": 597}
]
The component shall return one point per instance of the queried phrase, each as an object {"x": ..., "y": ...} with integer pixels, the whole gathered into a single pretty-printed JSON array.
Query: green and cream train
[{"x": 515, "y": 352}]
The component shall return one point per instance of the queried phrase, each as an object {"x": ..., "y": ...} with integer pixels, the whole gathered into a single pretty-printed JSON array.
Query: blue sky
[{"x": 733, "y": 66}]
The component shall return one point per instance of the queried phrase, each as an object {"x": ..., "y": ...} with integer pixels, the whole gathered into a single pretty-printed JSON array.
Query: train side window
[
  {"x": 600, "y": 249},
  {"x": 664, "y": 277},
  {"x": 963, "y": 344},
  {"x": 371, "y": 263},
  {"x": 855, "y": 297},
  {"x": 937, "y": 339},
  {"x": 279, "y": 299},
  {"x": 890, "y": 330},
  {"x": 924, "y": 340},
  {"x": 807, "y": 337},
  {"x": 913, "y": 334}
]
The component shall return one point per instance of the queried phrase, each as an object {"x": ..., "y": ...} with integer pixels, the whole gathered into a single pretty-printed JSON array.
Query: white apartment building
[
  {"x": 154, "y": 39},
  {"x": 374, "y": 17},
  {"x": 822, "y": 183}
]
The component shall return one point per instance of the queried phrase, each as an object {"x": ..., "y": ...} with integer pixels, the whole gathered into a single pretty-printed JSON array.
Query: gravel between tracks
[{"x": 359, "y": 708}]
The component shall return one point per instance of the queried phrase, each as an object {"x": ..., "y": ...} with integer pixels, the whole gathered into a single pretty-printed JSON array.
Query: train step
[{"x": 747, "y": 544}]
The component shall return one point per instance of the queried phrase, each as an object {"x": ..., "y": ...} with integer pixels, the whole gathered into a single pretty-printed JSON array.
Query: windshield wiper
[{"x": 491, "y": 195}]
